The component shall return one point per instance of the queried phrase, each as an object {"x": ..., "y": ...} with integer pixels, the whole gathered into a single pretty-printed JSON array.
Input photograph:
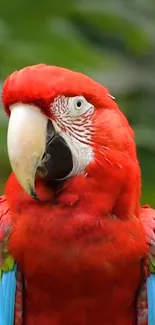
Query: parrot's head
[{"x": 61, "y": 124}]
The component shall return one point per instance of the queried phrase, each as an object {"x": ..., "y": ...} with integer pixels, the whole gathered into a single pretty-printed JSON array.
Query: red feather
[{"x": 40, "y": 84}]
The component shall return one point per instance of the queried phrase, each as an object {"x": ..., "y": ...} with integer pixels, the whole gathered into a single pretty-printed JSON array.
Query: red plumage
[{"x": 81, "y": 248}]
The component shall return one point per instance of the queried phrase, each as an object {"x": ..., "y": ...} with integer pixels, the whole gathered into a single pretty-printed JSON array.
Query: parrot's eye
[{"x": 79, "y": 105}]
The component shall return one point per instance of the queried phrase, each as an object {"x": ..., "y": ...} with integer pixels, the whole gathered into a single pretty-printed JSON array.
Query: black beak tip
[{"x": 33, "y": 194}]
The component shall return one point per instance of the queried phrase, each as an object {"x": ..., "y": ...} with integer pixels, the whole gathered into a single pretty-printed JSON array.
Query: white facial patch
[{"x": 73, "y": 123}]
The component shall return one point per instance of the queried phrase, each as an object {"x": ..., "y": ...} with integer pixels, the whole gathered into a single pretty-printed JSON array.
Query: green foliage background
[{"x": 110, "y": 40}]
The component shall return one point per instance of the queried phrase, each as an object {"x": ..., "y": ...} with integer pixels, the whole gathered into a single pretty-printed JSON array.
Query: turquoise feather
[
  {"x": 7, "y": 297},
  {"x": 151, "y": 299}
]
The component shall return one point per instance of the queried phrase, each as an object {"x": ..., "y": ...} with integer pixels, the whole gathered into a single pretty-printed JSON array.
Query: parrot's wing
[
  {"x": 6, "y": 261},
  {"x": 7, "y": 268},
  {"x": 146, "y": 300}
]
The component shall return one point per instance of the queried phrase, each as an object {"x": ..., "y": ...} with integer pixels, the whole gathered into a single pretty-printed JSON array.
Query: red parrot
[{"x": 74, "y": 225}]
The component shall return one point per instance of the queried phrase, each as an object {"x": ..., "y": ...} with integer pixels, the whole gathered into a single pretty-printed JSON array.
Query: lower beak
[{"x": 33, "y": 145}]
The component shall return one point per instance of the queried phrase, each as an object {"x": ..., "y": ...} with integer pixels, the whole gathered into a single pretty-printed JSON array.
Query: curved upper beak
[
  {"x": 34, "y": 145},
  {"x": 26, "y": 141}
]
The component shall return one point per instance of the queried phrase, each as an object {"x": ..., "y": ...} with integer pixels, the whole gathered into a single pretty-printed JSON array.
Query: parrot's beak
[{"x": 35, "y": 147}]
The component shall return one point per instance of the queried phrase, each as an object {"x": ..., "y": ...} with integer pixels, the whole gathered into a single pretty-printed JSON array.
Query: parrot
[{"x": 76, "y": 248}]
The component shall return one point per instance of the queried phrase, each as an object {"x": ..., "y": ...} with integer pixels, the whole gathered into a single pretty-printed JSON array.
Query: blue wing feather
[
  {"x": 2, "y": 316},
  {"x": 151, "y": 299},
  {"x": 7, "y": 297}
]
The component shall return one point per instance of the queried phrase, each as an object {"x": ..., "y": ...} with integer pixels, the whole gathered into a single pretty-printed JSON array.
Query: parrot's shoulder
[
  {"x": 6, "y": 261},
  {"x": 4, "y": 208},
  {"x": 145, "y": 303},
  {"x": 148, "y": 220}
]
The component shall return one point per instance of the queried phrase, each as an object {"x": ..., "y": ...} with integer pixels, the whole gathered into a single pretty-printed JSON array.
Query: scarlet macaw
[{"x": 70, "y": 217}]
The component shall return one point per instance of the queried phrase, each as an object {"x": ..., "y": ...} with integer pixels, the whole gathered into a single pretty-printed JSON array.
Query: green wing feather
[
  {"x": 6, "y": 261},
  {"x": 152, "y": 259}
]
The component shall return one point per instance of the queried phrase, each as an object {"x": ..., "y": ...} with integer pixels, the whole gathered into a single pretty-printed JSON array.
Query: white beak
[{"x": 26, "y": 143}]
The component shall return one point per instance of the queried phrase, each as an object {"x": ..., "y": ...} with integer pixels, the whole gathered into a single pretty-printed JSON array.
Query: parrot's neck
[{"x": 73, "y": 253}]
